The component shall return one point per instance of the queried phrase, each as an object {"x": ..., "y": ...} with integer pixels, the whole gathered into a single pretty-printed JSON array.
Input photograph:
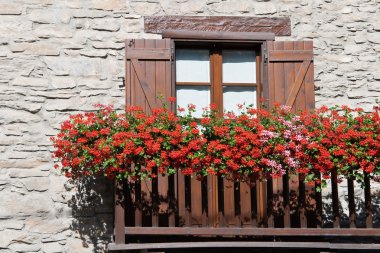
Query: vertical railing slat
[
  {"x": 318, "y": 199},
  {"x": 163, "y": 198},
  {"x": 367, "y": 200},
  {"x": 119, "y": 213},
  {"x": 229, "y": 202},
  {"x": 351, "y": 203},
  {"x": 181, "y": 197},
  {"x": 335, "y": 199},
  {"x": 270, "y": 203},
  {"x": 261, "y": 203},
  {"x": 196, "y": 202},
  {"x": 301, "y": 201},
  {"x": 245, "y": 204},
  {"x": 212, "y": 200},
  {"x": 287, "y": 222}
]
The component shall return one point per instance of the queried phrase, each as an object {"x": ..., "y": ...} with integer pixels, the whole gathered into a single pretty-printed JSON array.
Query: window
[{"x": 224, "y": 74}]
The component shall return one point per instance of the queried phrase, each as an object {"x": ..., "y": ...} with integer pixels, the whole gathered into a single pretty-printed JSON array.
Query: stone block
[
  {"x": 108, "y": 5},
  {"x": 94, "y": 83},
  {"x": 32, "y": 204},
  {"x": 9, "y": 8},
  {"x": 94, "y": 53},
  {"x": 36, "y": 184},
  {"x": 43, "y": 49},
  {"x": 11, "y": 224},
  {"x": 108, "y": 45},
  {"x": 63, "y": 82},
  {"x": 75, "y": 245},
  {"x": 52, "y": 247},
  {"x": 81, "y": 13},
  {"x": 108, "y": 26},
  {"x": 231, "y": 7},
  {"x": 25, "y": 247},
  {"x": 46, "y": 16},
  {"x": 265, "y": 8},
  {"x": 27, "y": 173},
  {"x": 374, "y": 37},
  {"x": 53, "y": 31},
  {"x": 46, "y": 226},
  {"x": 145, "y": 8},
  {"x": 193, "y": 7},
  {"x": 71, "y": 104},
  {"x": 30, "y": 82},
  {"x": 7, "y": 236},
  {"x": 15, "y": 116}
]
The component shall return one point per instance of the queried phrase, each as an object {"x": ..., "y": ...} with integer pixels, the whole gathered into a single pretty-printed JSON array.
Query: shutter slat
[
  {"x": 286, "y": 55},
  {"x": 148, "y": 54}
]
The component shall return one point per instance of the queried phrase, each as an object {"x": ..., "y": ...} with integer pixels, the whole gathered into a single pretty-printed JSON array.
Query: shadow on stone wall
[
  {"x": 92, "y": 210},
  {"x": 359, "y": 211}
]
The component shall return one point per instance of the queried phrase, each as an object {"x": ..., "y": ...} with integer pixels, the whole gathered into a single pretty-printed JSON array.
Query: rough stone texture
[{"x": 59, "y": 57}]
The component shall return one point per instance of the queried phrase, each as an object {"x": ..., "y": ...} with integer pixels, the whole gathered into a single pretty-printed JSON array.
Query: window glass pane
[
  {"x": 196, "y": 95},
  {"x": 234, "y": 95},
  {"x": 239, "y": 66},
  {"x": 192, "y": 65}
]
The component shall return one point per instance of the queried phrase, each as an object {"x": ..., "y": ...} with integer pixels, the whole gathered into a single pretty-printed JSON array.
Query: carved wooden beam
[{"x": 278, "y": 26}]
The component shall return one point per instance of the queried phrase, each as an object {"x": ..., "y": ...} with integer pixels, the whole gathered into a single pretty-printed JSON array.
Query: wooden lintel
[{"x": 280, "y": 26}]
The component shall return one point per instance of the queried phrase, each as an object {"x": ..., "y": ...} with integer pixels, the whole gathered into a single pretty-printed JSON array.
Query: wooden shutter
[
  {"x": 289, "y": 80},
  {"x": 290, "y": 73},
  {"x": 148, "y": 72}
]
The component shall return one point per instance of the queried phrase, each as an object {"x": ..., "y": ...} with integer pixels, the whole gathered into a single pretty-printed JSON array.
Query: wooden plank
[
  {"x": 271, "y": 81},
  {"x": 367, "y": 200},
  {"x": 212, "y": 200},
  {"x": 309, "y": 80},
  {"x": 351, "y": 203},
  {"x": 301, "y": 201},
  {"x": 279, "y": 26},
  {"x": 119, "y": 213},
  {"x": 229, "y": 202},
  {"x": 318, "y": 199},
  {"x": 261, "y": 203},
  {"x": 300, "y": 101},
  {"x": 290, "y": 55},
  {"x": 196, "y": 202},
  {"x": 146, "y": 202},
  {"x": 238, "y": 231},
  {"x": 297, "y": 83},
  {"x": 138, "y": 206},
  {"x": 279, "y": 80},
  {"x": 148, "y": 53},
  {"x": 138, "y": 95},
  {"x": 234, "y": 244},
  {"x": 145, "y": 85},
  {"x": 270, "y": 203},
  {"x": 335, "y": 199},
  {"x": 182, "y": 219},
  {"x": 212, "y": 35},
  {"x": 287, "y": 220},
  {"x": 245, "y": 204}
]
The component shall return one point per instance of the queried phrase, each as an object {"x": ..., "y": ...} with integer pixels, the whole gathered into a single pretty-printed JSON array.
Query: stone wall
[{"x": 61, "y": 56}]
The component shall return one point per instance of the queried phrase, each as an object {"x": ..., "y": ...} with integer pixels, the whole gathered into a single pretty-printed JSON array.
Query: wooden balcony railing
[{"x": 179, "y": 205}]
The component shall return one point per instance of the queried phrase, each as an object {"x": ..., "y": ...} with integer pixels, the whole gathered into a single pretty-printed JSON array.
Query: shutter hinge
[
  {"x": 265, "y": 57},
  {"x": 172, "y": 53}
]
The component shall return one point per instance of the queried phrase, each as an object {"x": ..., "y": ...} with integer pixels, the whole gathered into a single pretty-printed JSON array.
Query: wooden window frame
[{"x": 216, "y": 64}]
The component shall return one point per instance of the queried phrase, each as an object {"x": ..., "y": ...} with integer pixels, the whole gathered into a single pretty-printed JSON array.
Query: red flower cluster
[{"x": 255, "y": 144}]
